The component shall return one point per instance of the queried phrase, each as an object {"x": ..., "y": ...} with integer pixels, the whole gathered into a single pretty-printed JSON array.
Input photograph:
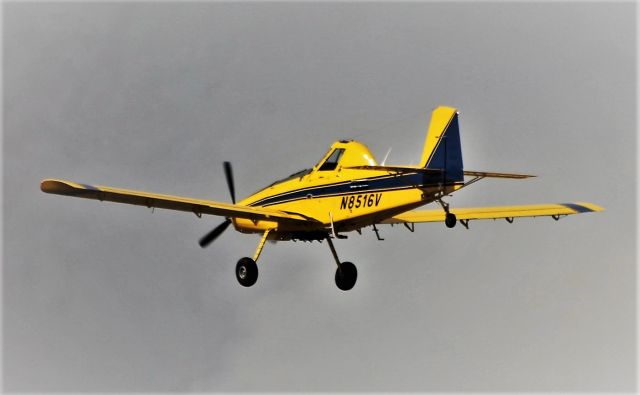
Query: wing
[
  {"x": 197, "y": 206},
  {"x": 509, "y": 212}
]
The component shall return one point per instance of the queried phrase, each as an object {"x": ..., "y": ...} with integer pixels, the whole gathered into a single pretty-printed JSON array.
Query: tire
[
  {"x": 450, "y": 220},
  {"x": 346, "y": 276},
  {"x": 246, "y": 272}
]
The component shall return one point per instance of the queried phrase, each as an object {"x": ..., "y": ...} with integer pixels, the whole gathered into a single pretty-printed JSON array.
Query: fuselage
[{"x": 332, "y": 192}]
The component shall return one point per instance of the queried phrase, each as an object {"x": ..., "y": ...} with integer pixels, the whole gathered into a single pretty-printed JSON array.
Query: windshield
[{"x": 332, "y": 160}]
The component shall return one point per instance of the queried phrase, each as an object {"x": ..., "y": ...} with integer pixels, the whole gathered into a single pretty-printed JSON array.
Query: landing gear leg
[
  {"x": 450, "y": 218},
  {"x": 346, "y": 273},
  {"x": 247, "y": 269},
  {"x": 261, "y": 245}
]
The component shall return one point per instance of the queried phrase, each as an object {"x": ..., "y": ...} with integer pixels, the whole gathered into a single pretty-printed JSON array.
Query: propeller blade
[
  {"x": 211, "y": 236},
  {"x": 217, "y": 231},
  {"x": 229, "y": 174}
]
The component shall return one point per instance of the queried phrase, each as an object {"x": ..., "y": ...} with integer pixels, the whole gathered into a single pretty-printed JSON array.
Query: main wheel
[
  {"x": 450, "y": 220},
  {"x": 346, "y": 276},
  {"x": 246, "y": 272}
]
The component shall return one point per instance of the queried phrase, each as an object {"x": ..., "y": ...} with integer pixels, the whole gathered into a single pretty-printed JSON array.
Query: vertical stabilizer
[{"x": 442, "y": 149}]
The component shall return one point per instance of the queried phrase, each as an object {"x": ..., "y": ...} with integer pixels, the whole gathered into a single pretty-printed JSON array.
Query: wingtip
[
  {"x": 591, "y": 206},
  {"x": 57, "y": 186},
  {"x": 48, "y": 185}
]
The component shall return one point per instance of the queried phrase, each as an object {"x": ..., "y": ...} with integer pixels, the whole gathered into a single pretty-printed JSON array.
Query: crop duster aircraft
[{"x": 346, "y": 191}]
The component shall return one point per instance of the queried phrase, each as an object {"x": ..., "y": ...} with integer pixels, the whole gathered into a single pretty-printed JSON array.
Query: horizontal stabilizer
[
  {"x": 412, "y": 169},
  {"x": 509, "y": 212},
  {"x": 486, "y": 174}
]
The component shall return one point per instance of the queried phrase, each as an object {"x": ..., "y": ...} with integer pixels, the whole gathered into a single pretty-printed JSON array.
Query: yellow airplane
[{"x": 346, "y": 191}]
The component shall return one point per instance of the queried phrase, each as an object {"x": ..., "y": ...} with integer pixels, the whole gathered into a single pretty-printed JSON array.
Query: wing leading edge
[
  {"x": 179, "y": 203},
  {"x": 509, "y": 212}
]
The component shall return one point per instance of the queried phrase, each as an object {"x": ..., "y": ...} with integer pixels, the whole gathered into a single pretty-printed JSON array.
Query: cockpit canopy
[
  {"x": 346, "y": 153},
  {"x": 343, "y": 153}
]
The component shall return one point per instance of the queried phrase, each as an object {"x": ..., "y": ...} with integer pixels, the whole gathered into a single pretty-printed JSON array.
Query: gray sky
[{"x": 108, "y": 297}]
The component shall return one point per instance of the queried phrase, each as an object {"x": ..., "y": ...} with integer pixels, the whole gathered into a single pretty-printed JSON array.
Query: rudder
[{"x": 442, "y": 148}]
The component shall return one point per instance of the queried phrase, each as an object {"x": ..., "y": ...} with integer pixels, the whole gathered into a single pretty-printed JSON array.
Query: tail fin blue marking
[{"x": 448, "y": 153}]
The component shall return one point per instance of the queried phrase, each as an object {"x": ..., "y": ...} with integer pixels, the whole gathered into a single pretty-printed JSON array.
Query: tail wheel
[
  {"x": 246, "y": 272},
  {"x": 346, "y": 276},
  {"x": 450, "y": 220}
]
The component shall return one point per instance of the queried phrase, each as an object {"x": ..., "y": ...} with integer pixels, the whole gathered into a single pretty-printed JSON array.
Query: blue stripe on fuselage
[{"x": 410, "y": 180}]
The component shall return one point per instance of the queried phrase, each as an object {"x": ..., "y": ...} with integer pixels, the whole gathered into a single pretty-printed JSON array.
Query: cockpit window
[{"x": 332, "y": 161}]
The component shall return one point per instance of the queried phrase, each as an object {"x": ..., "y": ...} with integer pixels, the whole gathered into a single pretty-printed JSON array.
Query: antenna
[{"x": 385, "y": 157}]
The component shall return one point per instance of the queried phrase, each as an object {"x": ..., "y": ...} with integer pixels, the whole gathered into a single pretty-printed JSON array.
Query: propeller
[
  {"x": 228, "y": 173},
  {"x": 218, "y": 230}
]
